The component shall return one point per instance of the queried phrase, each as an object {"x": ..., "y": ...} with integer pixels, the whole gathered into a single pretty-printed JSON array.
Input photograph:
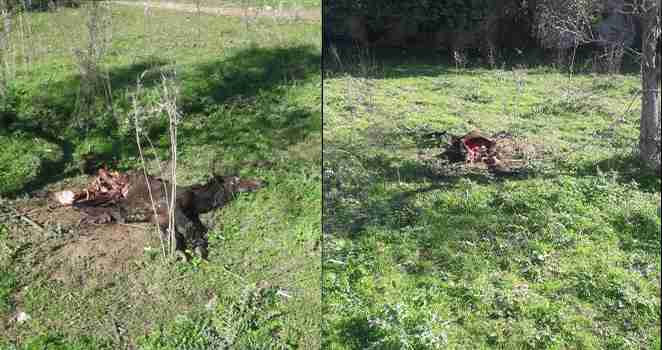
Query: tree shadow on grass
[
  {"x": 52, "y": 114},
  {"x": 357, "y": 333},
  {"x": 252, "y": 86},
  {"x": 398, "y": 208},
  {"x": 630, "y": 169},
  {"x": 637, "y": 230},
  {"x": 398, "y": 211},
  {"x": 255, "y": 77},
  {"x": 248, "y": 73}
]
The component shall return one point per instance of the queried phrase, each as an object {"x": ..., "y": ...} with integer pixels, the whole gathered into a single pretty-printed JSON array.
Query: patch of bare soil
[
  {"x": 308, "y": 15},
  {"x": 104, "y": 249},
  {"x": 50, "y": 248},
  {"x": 63, "y": 250}
]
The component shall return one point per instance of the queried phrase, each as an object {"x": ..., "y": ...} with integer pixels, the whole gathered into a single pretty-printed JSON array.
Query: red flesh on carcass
[{"x": 474, "y": 145}]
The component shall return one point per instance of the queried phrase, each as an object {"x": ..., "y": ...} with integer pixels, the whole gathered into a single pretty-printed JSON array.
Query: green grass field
[
  {"x": 563, "y": 256},
  {"x": 250, "y": 101},
  {"x": 285, "y": 4}
]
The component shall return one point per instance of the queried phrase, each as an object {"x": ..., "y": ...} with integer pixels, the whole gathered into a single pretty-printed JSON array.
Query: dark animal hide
[{"x": 136, "y": 205}]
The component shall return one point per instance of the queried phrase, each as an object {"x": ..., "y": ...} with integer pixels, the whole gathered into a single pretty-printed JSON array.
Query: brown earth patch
[
  {"x": 103, "y": 249},
  {"x": 64, "y": 250}
]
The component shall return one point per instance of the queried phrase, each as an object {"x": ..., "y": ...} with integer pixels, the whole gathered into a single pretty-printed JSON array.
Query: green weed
[{"x": 58, "y": 342}]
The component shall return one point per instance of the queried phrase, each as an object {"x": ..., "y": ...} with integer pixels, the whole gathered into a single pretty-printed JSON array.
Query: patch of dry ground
[
  {"x": 66, "y": 245},
  {"x": 106, "y": 249},
  {"x": 53, "y": 248}
]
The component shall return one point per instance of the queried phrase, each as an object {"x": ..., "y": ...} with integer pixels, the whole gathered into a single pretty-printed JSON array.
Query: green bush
[{"x": 445, "y": 14}]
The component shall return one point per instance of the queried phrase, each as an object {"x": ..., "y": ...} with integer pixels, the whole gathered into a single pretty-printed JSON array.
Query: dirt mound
[
  {"x": 67, "y": 251},
  {"x": 104, "y": 249}
]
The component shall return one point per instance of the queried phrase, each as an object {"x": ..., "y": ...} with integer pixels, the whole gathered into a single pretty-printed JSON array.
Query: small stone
[
  {"x": 65, "y": 197},
  {"x": 22, "y": 317}
]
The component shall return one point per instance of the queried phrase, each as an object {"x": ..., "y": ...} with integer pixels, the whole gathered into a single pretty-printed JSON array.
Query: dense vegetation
[{"x": 430, "y": 16}]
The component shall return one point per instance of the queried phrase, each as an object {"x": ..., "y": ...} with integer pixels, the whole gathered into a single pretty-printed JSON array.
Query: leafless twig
[{"x": 138, "y": 112}]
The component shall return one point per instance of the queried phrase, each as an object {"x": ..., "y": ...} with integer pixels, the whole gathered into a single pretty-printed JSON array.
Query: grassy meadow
[
  {"x": 418, "y": 255},
  {"x": 250, "y": 103},
  {"x": 284, "y": 4}
]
